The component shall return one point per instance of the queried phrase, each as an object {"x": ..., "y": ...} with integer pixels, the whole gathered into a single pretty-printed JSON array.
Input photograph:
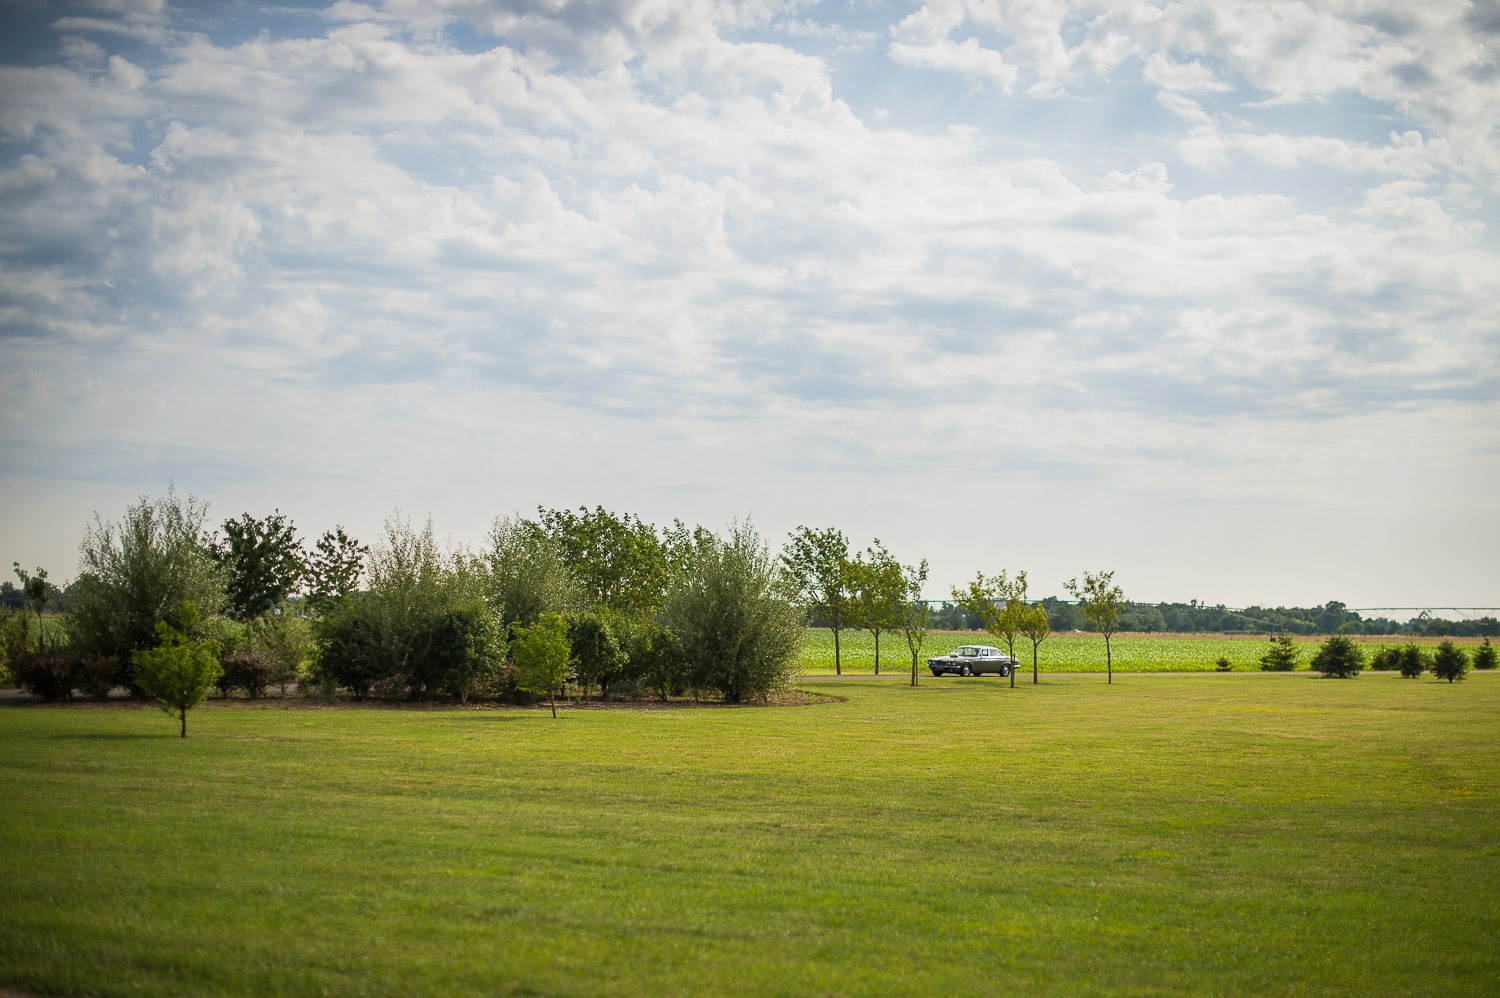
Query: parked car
[{"x": 972, "y": 660}]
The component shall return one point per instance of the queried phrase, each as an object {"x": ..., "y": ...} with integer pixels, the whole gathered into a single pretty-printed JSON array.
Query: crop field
[
  {"x": 1060, "y": 652},
  {"x": 1171, "y": 834}
]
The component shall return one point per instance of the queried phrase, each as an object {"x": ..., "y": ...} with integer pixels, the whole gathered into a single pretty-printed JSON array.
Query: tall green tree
[
  {"x": 1100, "y": 601},
  {"x": 178, "y": 672},
  {"x": 817, "y": 563},
  {"x": 524, "y": 575},
  {"x": 879, "y": 594},
  {"x": 265, "y": 562},
  {"x": 732, "y": 617},
  {"x": 542, "y": 656},
  {"x": 915, "y": 613},
  {"x": 334, "y": 570},
  {"x": 141, "y": 572},
  {"x": 618, "y": 561}
]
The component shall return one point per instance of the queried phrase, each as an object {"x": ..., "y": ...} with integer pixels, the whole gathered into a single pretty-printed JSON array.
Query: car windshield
[{"x": 967, "y": 651}]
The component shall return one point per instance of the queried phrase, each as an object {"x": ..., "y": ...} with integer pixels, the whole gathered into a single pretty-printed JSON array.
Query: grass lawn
[{"x": 1166, "y": 835}]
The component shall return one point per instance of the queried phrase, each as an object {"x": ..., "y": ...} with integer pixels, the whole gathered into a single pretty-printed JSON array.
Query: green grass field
[
  {"x": 1060, "y": 652},
  {"x": 1233, "y": 835}
]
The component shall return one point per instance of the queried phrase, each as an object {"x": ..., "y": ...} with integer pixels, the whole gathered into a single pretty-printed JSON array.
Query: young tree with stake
[{"x": 914, "y": 613}]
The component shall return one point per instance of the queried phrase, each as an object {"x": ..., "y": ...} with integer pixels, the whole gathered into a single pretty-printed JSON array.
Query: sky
[{"x": 1204, "y": 293}]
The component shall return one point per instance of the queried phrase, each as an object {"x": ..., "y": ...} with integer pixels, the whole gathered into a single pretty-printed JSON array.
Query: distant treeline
[{"x": 1200, "y": 618}]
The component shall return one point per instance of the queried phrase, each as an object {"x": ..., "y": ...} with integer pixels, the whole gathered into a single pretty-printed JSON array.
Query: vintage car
[{"x": 972, "y": 660}]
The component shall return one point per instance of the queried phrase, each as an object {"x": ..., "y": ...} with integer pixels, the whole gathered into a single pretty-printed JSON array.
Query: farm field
[
  {"x": 1216, "y": 834},
  {"x": 1067, "y": 652}
]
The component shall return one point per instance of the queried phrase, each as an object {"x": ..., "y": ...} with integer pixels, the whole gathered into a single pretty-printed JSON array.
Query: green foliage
[
  {"x": 20, "y": 634},
  {"x": 597, "y": 652},
  {"x": 179, "y": 672},
  {"x": 1449, "y": 662},
  {"x": 1484, "y": 656},
  {"x": 288, "y": 640},
  {"x": 1100, "y": 602},
  {"x": 35, "y": 588},
  {"x": 141, "y": 573},
  {"x": 1036, "y": 627},
  {"x": 1339, "y": 658},
  {"x": 524, "y": 576},
  {"x": 1412, "y": 660},
  {"x": 1223, "y": 665},
  {"x": 618, "y": 561},
  {"x": 817, "y": 564},
  {"x": 333, "y": 571},
  {"x": 653, "y": 659},
  {"x": 914, "y": 613},
  {"x": 542, "y": 656},
  {"x": 729, "y": 612},
  {"x": 264, "y": 560},
  {"x": 353, "y": 651},
  {"x": 51, "y": 675},
  {"x": 463, "y": 649},
  {"x": 1000, "y": 604},
  {"x": 1282, "y": 656},
  {"x": 879, "y": 594},
  {"x": 249, "y": 669},
  {"x": 1386, "y": 658}
]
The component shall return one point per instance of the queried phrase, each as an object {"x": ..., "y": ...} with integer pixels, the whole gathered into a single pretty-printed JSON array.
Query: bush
[
  {"x": 1484, "y": 656},
  {"x": 1411, "y": 660},
  {"x": 1223, "y": 665},
  {"x": 96, "y": 675},
  {"x": 597, "y": 654},
  {"x": 1282, "y": 656},
  {"x": 654, "y": 660},
  {"x": 1387, "y": 658},
  {"x": 728, "y": 612},
  {"x": 1450, "y": 662},
  {"x": 51, "y": 675},
  {"x": 356, "y": 653},
  {"x": 462, "y": 650},
  {"x": 288, "y": 640},
  {"x": 249, "y": 669},
  {"x": 1339, "y": 658}
]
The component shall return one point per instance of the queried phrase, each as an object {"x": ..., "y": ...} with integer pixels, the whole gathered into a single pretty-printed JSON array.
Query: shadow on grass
[{"x": 108, "y": 736}]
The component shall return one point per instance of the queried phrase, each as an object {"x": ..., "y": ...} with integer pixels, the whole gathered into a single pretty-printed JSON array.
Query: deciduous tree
[
  {"x": 1035, "y": 625},
  {"x": 879, "y": 594},
  {"x": 914, "y": 613},
  {"x": 265, "y": 562},
  {"x": 817, "y": 562},
  {"x": 618, "y": 561},
  {"x": 1100, "y": 602},
  {"x": 1000, "y": 602},
  {"x": 334, "y": 570},
  {"x": 542, "y": 656}
]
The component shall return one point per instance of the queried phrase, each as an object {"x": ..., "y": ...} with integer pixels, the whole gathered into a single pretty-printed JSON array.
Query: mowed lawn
[
  {"x": 1239, "y": 834},
  {"x": 1074, "y": 652}
]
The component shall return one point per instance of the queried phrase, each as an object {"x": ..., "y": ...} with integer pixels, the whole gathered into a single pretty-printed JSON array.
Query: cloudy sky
[{"x": 1204, "y": 292}]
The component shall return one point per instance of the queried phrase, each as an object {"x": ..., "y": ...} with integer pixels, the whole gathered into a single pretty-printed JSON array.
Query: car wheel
[
  {"x": 964, "y": 671},
  {"x": 937, "y": 672},
  {"x": 1004, "y": 671}
]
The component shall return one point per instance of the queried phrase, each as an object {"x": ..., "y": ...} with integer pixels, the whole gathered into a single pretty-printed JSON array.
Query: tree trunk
[
  {"x": 552, "y": 699},
  {"x": 183, "y": 715},
  {"x": 838, "y": 669},
  {"x": 877, "y": 653},
  {"x": 1109, "y": 665},
  {"x": 914, "y": 668},
  {"x": 1033, "y": 663}
]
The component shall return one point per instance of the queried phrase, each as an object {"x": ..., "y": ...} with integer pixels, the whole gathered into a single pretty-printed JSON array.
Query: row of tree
[{"x": 1341, "y": 658}]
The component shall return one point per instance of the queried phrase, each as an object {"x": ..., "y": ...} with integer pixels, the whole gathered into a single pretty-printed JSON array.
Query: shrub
[
  {"x": 1282, "y": 656},
  {"x": 355, "y": 653},
  {"x": 1387, "y": 658},
  {"x": 728, "y": 612},
  {"x": 96, "y": 675},
  {"x": 1484, "y": 655},
  {"x": 1450, "y": 662},
  {"x": 1411, "y": 660},
  {"x": 462, "y": 650},
  {"x": 51, "y": 675},
  {"x": 597, "y": 653},
  {"x": 654, "y": 661},
  {"x": 249, "y": 669},
  {"x": 288, "y": 640},
  {"x": 1339, "y": 658},
  {"x": 1223, "y": 665}
]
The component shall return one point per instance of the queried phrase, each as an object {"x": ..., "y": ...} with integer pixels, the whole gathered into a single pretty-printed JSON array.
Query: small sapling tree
[
  {"x": 1449, "y": 662},
  {"x": 1412, "y": 661},
  {"x": 1100, "y": 602},
  {"x": 543, "y": 657},
  {"x": 914, "y": 613},
  {"x": 878, "y": 590},
  {"x": 1484, "y": 656},
  {"x": 1339, "y": 658},
  {"x": 1282, "y": 656},
  {"x": 37, "y": 591},
  {"x": 178, "y": 673},
  {"x": 1000, "y": 603},
  {"x": 1036, "y": 626}
]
